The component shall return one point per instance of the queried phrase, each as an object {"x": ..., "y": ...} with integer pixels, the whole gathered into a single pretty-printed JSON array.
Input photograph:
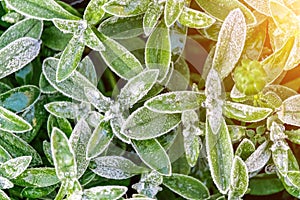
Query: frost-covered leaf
[
  {"x": 195, "y": 19},
  {"x": 20, "y": 98},
  {"x": 92, "y": 40},
  {"x": 239, "y": 179},
  {"x": 280, "y": 156},
  {"x": 126, "y": 8},
  {"x": 220, "y": 155},
  {"x": 220, "y": 10},
  {"x": 104, "y": 192},
  {"x": 282, "y": 91},
  {"x": 39, "y": 9},
  {"x": 173, "y": 9},
  {"x": 245, "y": 149},
  {"x": 122, "y": 27},
  {"x": 137, "y": 87},
  {"x": 153, "y": 155},
  {"x": 94, "y": 12},
  {"x": 4, "y": 155},
  {"x": 17, "y": 54},
  {"x": 79, "y": 141},
  {"x": 284, "y": 18},
  {"x": 151, "y": 17},
  {"x": 37, "y": 177},
  {"x": 3, "y": 195},
  {"x": 119, "y": 59},
  {"x": 289, "y": 111},
  {"x": 180, "y": 77},
  {"x": 186, "y": 186},
  {"x": 116, "y": 167},
  {"x": 291, "y": 183},
  {"x": 245, "y": 113},
  {"x": 70, "y": 26},
  {"x": 230, "y": 43},
  {"x": 63, "y": 155},
  {"x": 261, "y": 6},
  {"x": 259, "y": 158},
  {"x": 86, "y": 68},
  {"x": 66, "y": 109},
  {"x": 11, "y": 122},
  {"x": 72, "y": 87},
  {"x": 5, "y": 183},
  {"x": 175, "y": 102},
  {"x": 14, "y": 167},
  {"x": 17, "y": 147},
  {"x": 99, "y": 140},
  {"x": 97, "y": 99},
  {"x": 158, "y": 50},
  {"x": 53, "y": 38},
  {"x": 293, "y": 135},
  {"x": 25, "y": 28},
  {"x": 192, "y": 149},
  {"x": 35, "y": 193},
  {"x": 294, "y": 58},
  {"x": 61, "y": 123},
  {"x": 70, "y": 58},
  {"x": 116, "y": 125},
  {"x": 274, "y": 64},
  {"x": 146, "y": 124}
]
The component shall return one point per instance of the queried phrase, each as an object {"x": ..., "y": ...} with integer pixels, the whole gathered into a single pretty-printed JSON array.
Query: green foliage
[{"x": 149, "y": 99}]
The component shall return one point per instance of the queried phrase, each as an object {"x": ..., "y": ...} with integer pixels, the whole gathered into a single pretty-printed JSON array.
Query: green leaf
[
  {"x": 236, "y": 132},
  {"x": 105, "y": 192},
  {"x": 289, "y": 111},
  {"x": 63, "y": 155},
  {"x": 195, "y": 19},
  {"x": 230, "y": 43},
  {"x": 4, "y": 155},
  {"x": 39, "y": 9},
  {"x": 291, "y": 183},
  {"x": 97, "y": 99},
  {"x": 175, "y": 102},
  {"x": 245, "y": 113},
  {"x": 11, "y": 122},
  {"x": 35, "y": 193},
  {"x": 158, "y": 50},
  {"x": 92, "y": 40},
  {"x": 180, "y": 77},
  {"x": 192, "y": 149},
  {"x": 259, "y": 158},
  {"x": 285, "y": 19},
  {"x": 5, "y": 183},
  {"x": 282, "y": 91},
  {"x": 99, "y": 140},
  {"x": 76, "y": 82},
  {"x": 14, "y": 167},
  {"x": 145, "y": 124},
  {"x": 122, "y": 27},
  {"x": 17, "y": 55},
  {"x": 151, "y": 17},
  {"x": 153, "y": 155},
  {"x": 126, "y": 8},
  {"x": 274, "y": 64},
  {"x": 293, "y": 135},
  {"x": 20, "y": 98},
  {"x": 94, "y": 12},
  {"x": 186, "y": 186},
  {"x": 116, "y": 167},
  {"x": 70, "y": 59},
  {"x": 245, "y": 149},
  {"x": 137, "y": 87},
  {"x": 3, "y": 195},
  {"x": 239, "y": 179},
  {"x": 220, "y": 10},
  {"x": 220, "y": 156},
  {"x": 53, "y": 38},
  {"x": 17, "y": 147},
  {"x": 66, "y": 109},
  {"x": 79, "y": 141},
  {"x": 280, "y": 156},
  {"x": 37, "y": 177},
  {"x": 261, "y": 6},
  {"x": 25, "y": 28},
  {"x": 173, "y": 10},
  {"x": 119, "y": 59},
  {"x": 61, "y": 123},
  {"x": 178, "y": 37},
  {"x": 86, "y": 68},
  {"x": 258, "y": 184}
]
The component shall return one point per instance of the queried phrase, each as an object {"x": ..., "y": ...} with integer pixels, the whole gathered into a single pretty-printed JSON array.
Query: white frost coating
[
  {"x": 289, "y": 111},
  {"x": 5, "y": 183},
  {"x": 70, "y": 26},
  {"x": 16, "y": 166},
  {"x": 261, "y": 6},
  {"x": 230, "y": 43},
  {"x": 104, "y": 192},
  {"x": 17, "y": 54}
]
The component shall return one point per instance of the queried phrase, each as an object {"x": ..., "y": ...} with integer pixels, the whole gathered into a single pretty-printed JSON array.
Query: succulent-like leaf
[
  {"x": 220, "y": 155},
  {"x": 17, "y": 54},
  {"x": 14, "y": 167},
  {"x": 116, "y": 167},
  {"x": 39, "y": 9},
  {"x": 146, "y": 124},
  {"x": 63, "y": 155},
  {"x": 153, "y": 155},
  {"x": 195, "y": 19},
  {"x": 230, "y": 43},
  {"x": 186, "y": 186}
]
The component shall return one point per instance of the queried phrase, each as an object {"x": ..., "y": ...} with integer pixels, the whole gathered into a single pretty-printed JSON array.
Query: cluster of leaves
[{"x": 67, "y": 132}]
